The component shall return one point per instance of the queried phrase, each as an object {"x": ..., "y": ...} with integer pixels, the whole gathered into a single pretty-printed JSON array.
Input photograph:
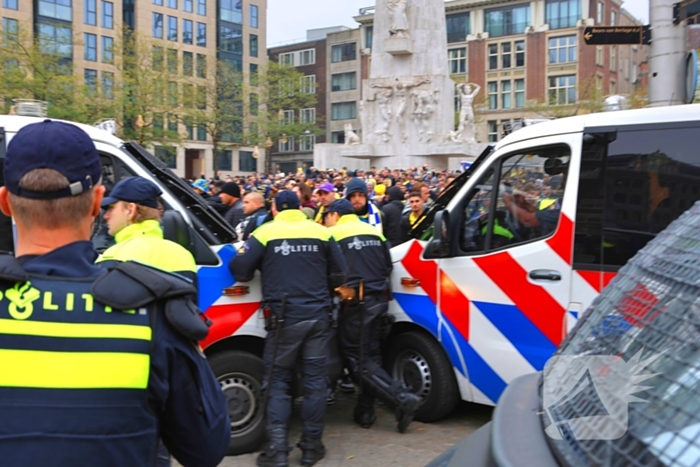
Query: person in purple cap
[
  {"x": 326, "y": 196},
  {"x": 94, "y": 371}
]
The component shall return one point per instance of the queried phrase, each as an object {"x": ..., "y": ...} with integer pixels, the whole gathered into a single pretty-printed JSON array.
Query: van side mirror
[
  {"x": 440, "y": 244},
  {"x": 177, "y": 230}
]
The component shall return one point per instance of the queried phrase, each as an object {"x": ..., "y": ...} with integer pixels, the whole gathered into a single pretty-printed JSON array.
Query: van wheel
[
  {"x": 418, "y": 361},
  {"x": 240, "y": 375}
]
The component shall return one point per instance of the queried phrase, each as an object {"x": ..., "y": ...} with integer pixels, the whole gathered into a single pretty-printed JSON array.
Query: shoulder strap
[
  {"x": 11, "y": 269},
  {"x": 132, "y": 285}
]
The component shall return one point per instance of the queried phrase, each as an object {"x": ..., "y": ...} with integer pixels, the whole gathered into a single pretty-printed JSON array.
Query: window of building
[
  {"x": 10, "y": 4},
  {"x": 344, "y": 81},
  {"x": 506, "y": 21},
  {"x": 560, "y": 14},
  {"x": 173, "y": 94},
  {"x": 286, "y": 59},
  {"x": 599, "y": 84},
  {"x": 168, "y": 155},
  {"x": 286, "y": 146},
  {"x": 201, "y": 34},
  {"x": 253, "y": 45},
  {"x": 58, "y": 9},
  {"x": 511, "y": 54},
  {"x": 613, "y": 58},
  {"x": 91, "y": 79},
  {"x": 231, "y": 11},
  {"x": 224, "y": 160},
  {"x": 343, "y": 110},
  {"x": 613, "y": 87},
  {"x": 107, "y": 49},
  {"x": 172, "y": 4},
  {"x": 172, "y": 61},
  {"x": 307, "y": 57},
  {"x": 600, "y": 14},
  {"x": 344, "y": 52},
  {"x": 254, "y": 103},
  {"x": 90, "y": 13},
  {"x": 369, "y": 37},
  {"x": 230, "y": 39},
  {"x": 519, "y": 93},
  {"x": 506, "y": 54},
  {"x": 202, "y": 7},
  {"x": 253, "y": 16},
  {"x": 246, "y": 162},
  {"x": 10, "y": 29},
  {"x": 492, "y": 131},
  {"x": 308, "y": 84},
  {"x": 562, "y": 90},
  {"x": 613, "y": 18},
  {"x": 307, "y": 115},
  {"x": 107, "y": 15},
  {"x": 188, "y": 97},
  {"x": 254, "y": 78},
  {"x": 562, "y": 49},
  {"x": 187, "y": 63},
  {"x": 338, "y": 137},
  {"x": 287, "y": 117},
  {"x": 90, "y": 47},
  {"x": 202, "y": 132},
  {"x": 307, "y": 142},
  {"x": 493, "y": 56},
  {"x": 108, "y": 84},
  {"x": 458, "y": 27},
  {"x": 157, "y": 25},
  {"x": 457, "y": 60},
  {"x": 56, "y": 40},
  {"x": 187, "y": 5},
  {"x": 519, "y": 54},
  {"x": 599, "y": 55},
  {"x": 187, "y": 31},
  {"x": 493, "y": 94},
  {"x": 201, "y": 98},
  {"x": 201, "y": 66},
  {"x": 506, "y": 94},
  {"x": 157, "y": 2},
  {"x": 172, "y": 28},
  {"x": 158, "y": 57}
]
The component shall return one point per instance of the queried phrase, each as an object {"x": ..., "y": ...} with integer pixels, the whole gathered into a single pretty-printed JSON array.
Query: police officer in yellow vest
[
  {"x": 369, "y": 261},
  {"x": 93, "y": 371},
  {"x": 133, "y": 215}
]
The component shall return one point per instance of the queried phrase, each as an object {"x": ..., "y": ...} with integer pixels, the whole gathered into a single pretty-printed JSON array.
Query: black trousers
[
  {"x": 305, "y": 340},
  {"x": 351, "y": 330}
]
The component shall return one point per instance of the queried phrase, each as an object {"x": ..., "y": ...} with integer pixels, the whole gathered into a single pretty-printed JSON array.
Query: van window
[
  {"x": 632, "y": 188},
  {"x": 113, "y": 170},
  {"x": 518, "y": 201}
]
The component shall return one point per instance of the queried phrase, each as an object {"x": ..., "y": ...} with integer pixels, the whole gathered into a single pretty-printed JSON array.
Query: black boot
[
  {"x": 312, "y": 451},
  {"x": 364, "y": 416},
  {"x": 276, "y": 450},
  {"x": 408, "y": 404}
]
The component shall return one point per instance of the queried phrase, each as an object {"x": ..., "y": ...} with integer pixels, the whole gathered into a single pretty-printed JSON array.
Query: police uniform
[
  {"x": 143, "y": 241},
  {"x": 369, "y": 261},
  {"x": 93, "y": 370},
  {"x": 301, "y": 264}
]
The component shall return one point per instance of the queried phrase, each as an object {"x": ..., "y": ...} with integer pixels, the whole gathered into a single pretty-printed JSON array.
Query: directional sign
[
  {"x": 684, "y": 10},
  {"x": 604, "y": 35}
]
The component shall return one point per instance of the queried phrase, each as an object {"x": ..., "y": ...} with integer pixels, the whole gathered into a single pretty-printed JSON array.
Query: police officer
[
  {"x": 132, "y": 212},
  {"x": 88, "y": 346},
  {"x": 299, "y": 306},
  {"x": 369, "y": 260}
]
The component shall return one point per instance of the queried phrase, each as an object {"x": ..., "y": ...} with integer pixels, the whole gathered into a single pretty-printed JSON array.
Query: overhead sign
[
  {"x": 685, "y": 10},
  {"x": 622, "y": 35}
]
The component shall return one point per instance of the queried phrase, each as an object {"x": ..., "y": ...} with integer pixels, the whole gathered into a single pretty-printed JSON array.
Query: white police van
[{"x": 486, "y": 292}]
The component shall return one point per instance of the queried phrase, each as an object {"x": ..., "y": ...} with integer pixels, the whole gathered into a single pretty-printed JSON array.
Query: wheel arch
[{"x": 252, "y": 344}]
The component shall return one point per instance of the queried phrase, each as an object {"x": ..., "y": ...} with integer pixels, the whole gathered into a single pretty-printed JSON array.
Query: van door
[{"x": 510, "y": 265}]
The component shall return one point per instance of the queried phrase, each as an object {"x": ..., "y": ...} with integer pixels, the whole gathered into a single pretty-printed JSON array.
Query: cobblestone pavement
[{"x": 351, "y": 446}]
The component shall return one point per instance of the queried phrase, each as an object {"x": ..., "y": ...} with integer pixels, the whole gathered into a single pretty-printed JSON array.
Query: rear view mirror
[{"x": 440, "y": 244}]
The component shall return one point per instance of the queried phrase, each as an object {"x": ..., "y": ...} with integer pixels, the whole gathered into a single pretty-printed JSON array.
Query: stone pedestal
[{"x": 399, "y": 46}]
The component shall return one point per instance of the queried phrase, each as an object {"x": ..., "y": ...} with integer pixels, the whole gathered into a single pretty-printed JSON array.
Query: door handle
[{"x": 545, "y": 275}]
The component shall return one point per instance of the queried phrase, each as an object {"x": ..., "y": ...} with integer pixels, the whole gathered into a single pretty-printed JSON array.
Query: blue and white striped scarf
[{"x": 373, "y": 217}]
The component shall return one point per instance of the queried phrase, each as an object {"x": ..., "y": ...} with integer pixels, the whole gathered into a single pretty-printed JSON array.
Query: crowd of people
[{"x": 391, "y": 200}]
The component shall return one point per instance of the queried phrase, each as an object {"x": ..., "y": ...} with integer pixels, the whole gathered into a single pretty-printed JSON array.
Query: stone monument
[{"x": 407, "y": 110}]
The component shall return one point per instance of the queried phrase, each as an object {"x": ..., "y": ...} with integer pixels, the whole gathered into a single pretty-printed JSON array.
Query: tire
[
  {"x": 417, "y": 360},
  {"x": 240, "y": 375}
]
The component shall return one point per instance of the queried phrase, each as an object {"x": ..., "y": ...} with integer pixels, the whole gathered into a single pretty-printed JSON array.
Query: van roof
[
  {"x": 676, "y": 113},
  {"x": 13, "y": 123}
]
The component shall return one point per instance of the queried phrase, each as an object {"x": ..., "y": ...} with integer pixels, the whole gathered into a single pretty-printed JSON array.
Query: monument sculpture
[
  {"x": 350, "y": 136},
  {"x": 407, "y": 114}
]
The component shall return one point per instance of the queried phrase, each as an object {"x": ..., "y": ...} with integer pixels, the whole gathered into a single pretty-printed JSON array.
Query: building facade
[{"x": 190, "y": 34}]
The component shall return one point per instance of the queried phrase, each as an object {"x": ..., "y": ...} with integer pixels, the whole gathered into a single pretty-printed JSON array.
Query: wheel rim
[
  {"x": 243, "y": 394},
  {"x": 413, "y": 370}
]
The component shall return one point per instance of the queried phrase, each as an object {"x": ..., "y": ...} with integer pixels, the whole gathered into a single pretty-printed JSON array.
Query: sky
[{"x": 288, "y": 20}]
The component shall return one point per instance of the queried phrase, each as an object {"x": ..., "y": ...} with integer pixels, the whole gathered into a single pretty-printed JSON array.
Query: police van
[{"x": 501, "y": 267}]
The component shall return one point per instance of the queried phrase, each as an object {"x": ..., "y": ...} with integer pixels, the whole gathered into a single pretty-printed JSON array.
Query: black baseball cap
[
  {"x": 55, "y": 145},
  {"x": 286, "y": 200},
  {"x": 342, "y": 207},
  {"x": 136, "y": 190}
]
